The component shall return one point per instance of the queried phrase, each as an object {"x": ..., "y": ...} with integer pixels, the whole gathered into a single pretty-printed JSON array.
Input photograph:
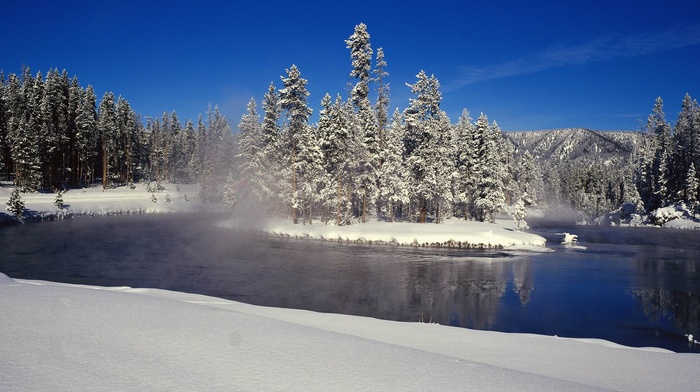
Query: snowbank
[
  {"x": 96, "y": 201},
  {"x": 677, "y": 216},
  {"x": 452, "y": 233},
  {"x": 63, "y": 337}
]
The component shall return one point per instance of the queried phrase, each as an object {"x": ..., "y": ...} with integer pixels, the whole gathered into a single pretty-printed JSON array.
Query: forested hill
[{"x": 572, "y": 144}]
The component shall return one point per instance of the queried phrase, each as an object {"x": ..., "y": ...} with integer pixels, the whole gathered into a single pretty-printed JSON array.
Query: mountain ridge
[{"x": 575, "y": 144}]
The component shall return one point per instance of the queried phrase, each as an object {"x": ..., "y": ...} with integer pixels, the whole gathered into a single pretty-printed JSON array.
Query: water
[{"x": 637, "y": 287}]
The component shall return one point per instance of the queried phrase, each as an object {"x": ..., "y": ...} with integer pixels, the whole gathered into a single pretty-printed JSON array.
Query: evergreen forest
[{"x": 360, "y": 161}]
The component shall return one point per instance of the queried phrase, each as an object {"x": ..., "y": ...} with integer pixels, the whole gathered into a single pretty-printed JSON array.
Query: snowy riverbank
[
  {"x": 63, "y": 337},
  {"x": 452, "y": 233},
  {"x": 96, "y": 201}
]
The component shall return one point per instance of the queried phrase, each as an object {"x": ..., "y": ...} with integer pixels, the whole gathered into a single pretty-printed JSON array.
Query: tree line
[
  {"x": 55, "y": 135},
  {"x": 359, "y": 163},
  {"x": 665, "y": 165}
]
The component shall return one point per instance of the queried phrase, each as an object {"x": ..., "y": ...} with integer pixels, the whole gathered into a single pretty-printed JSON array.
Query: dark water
[{"x": 637, "y": 287}]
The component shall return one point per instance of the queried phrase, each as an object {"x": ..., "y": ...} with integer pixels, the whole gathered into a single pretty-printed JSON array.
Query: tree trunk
[
  {"x": 339, "y": 202},
  {"x": 364, "y": 206},
  {"x": 105, "y": 159},
  {"x": 294, "y": 185}
]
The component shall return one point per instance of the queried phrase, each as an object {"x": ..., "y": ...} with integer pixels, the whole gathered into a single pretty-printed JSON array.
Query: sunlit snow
[{"x": 62, "y": 337}]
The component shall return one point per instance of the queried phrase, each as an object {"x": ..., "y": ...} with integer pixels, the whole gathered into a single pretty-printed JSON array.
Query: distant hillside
[{"x": 572, "y": 144}]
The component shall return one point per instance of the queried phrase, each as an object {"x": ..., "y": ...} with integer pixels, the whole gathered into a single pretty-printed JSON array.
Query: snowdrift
[{"x": 62, "y": 337}]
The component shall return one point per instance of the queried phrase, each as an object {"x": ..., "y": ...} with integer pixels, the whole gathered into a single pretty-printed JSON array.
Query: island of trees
[{"x": 360, "y": 161}]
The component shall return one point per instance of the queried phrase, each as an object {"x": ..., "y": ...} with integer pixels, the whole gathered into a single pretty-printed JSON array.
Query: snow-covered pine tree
[
  {"x": 381, "y": 107},
  {"x": 58, "y": 199},
  {"x": 194, "y": 166},
  {"x": 126, "y": 142},
  {"x": 16, "y": 205},
  {"x": 188, "y": 146},
  {"x": 249, "y": 145},
  {"x": 520, "y": 213},
  {"x": 528, "y": 177},
  {"x": 75, "y": 95},
  {"x": 692, "y": 186},
  {"x": 361, "y": 55},
  {"x": 107, "y": 127},
  {"x": 5, "y": 151},
  {"x": 14, "y": 107},
  {"x": 26, "y": 133},
  {"x": 293, "y": 99},
  {"x": 219, "y": 156},
  {"x": 506, "y": 151},
  {"x": 86, "y": 136},
  {"x": 661, "y": 131},
  {"x": 54, "y": 141},
  {"x": 686, "y": 143},
  {"x": 489, "y": 197},
  {"x": 428, "y": 155},
  {"x": 273, "y": 150},
  {"x": 231, "y": 191},
  {"x": 335, "y": 135},
  {"x": 176, "y": 160},
  {"x": 367, "y": 130},
  {"x": 394, "y": 193},
  {"x": 463, "y": 184}
]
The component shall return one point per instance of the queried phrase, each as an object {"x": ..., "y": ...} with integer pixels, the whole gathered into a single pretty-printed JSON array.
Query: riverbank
[
  {"x": 452, "y": 233},
  {"x": 95, "y": 201},
  {"x": 70, "y": 337}
]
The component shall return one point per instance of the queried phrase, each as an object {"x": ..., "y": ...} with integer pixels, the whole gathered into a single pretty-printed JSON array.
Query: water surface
[{"x": 637, "y": 287}]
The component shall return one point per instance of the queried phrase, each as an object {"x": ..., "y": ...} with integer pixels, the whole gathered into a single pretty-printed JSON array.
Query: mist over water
[{"x": 638, "y": 287}]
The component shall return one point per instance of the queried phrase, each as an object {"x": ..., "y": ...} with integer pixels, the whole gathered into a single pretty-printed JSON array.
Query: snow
[
  {"x": 98, "y": 201},
  {"x": 453, "y": 232},
  {"x": 63, "y": 337}
]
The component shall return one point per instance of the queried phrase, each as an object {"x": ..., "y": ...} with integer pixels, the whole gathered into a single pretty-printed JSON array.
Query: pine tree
[
  {"x": 249, "y": 145},
  {"x": 464, "y": 161},
  {"x": 293, "y": 99},
  {"x": 381, "y": 108},
  {"x": 273, "y": 150},
  {"x": 661, "y": 131},
  {"x": 428, "y": 156},
  {"x": 394, "y": 192},
  {"x": 16, "y": 205},
  {"x": 86, "y": 136},
  {"x": 366, "y": 130},
  {"x": 335, "y": 135},
  {"x": 108, "y": 128},
  {"x": 489, "y": 197},
  {"x": 26, "y": 135},
  {"x": 361, "y": 55},
  {"x": 188, "y": 147},
  {"x": 527, "y": 177},
  {"x": 75, "y": 95},
  {"x": 5, "y": 154},
  {"x": 692, "y": 186},
  {"x": 520, "y": 213},
  {"x": 126, "y": 142},
  {"x": 58, "y": 199},
  {"x": 54, "y": 129}
]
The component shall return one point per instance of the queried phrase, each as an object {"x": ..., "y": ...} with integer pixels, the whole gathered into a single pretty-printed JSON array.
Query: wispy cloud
[{"x": 598, "y": 50}]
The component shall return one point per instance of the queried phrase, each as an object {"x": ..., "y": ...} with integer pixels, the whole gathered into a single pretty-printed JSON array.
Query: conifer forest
[{"x": 361, "y": 160}]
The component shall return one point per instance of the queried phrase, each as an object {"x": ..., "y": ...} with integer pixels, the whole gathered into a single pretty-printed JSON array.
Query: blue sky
[{"x": 526, "y": 64}]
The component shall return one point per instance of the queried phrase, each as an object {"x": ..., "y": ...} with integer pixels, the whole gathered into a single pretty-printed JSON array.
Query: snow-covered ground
[
  {"x": 62, "y": 337},
  {"x": 96, "y": 201},
  {"x": 453, "y": 233}
]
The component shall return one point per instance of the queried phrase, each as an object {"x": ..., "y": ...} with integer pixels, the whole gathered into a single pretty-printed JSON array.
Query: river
[{"x": 633, "y": 286}]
